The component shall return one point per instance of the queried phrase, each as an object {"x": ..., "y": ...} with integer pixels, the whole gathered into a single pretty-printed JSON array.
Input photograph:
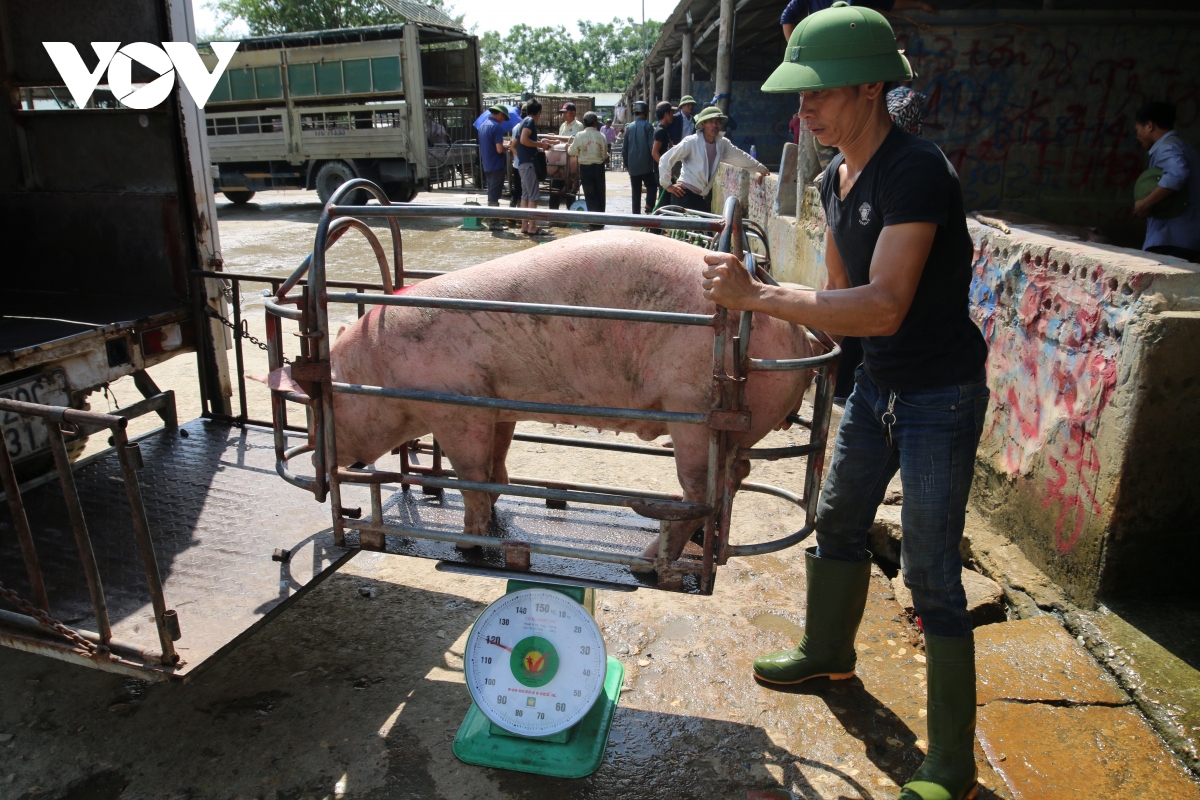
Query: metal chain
[
  {"x": 244, "y": 333},
  {"x": 54, "y": 625}
]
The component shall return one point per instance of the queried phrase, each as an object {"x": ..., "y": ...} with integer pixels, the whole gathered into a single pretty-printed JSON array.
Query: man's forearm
[
  {"x": 861, "y": 311},
  {"x": 1159, "y": 194}
]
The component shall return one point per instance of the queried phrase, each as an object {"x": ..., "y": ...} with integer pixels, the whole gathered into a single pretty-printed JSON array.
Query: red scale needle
[{"x": 509, "y": 649}]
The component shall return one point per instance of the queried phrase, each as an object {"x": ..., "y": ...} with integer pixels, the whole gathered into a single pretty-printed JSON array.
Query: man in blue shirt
[
  {"x": 1178, "y": 235},
  {"x": 491, "y": 156},
  {"x": 799, "y": 9}
]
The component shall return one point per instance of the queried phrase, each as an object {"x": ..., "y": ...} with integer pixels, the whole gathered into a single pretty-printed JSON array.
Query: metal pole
[
  {"x": 79, "y": 525},
  {"x": 724, "y": 78},
  {"x": 130, "y": 457},
  {"x": 16, "y": 509},
  {"x": 685, "y": 65}
]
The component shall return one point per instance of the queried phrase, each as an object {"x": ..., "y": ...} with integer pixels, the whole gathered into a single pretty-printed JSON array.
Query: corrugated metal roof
[{"x": 418, "y": 12}]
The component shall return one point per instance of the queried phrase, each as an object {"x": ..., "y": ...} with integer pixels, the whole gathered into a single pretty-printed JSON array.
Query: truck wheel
[
  {"x": 238, "y": 198},
  {"x": 333, "y": 174},
  {"x": 403, "y": 193}
]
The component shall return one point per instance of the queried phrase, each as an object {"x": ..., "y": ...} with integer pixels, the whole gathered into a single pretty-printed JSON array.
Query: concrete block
[
  {"x": 985, "y": 598},
  {"x": 1037, "y": 661},
  {"x": 1094, "y": 752}
]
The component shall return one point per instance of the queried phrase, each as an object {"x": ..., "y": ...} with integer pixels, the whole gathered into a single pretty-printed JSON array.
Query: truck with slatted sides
[{"x": 391, "y": 103}]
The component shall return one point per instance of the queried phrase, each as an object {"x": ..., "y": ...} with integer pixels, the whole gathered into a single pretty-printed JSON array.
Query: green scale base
[{"x": 575, "y": 753}]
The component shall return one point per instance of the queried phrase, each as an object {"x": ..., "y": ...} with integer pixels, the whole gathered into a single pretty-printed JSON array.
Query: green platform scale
[{"x": 542, "y": 685}]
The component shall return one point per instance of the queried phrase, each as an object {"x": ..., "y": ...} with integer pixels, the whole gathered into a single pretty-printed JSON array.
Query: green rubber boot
[
  {"x": 948, "y": 772},
  {"x": 837, "y": 595}
]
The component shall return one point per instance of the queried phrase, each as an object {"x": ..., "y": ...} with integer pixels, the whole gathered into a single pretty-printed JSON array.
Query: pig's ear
[
  {"x": 341, "y": 330},
  {"x": 281, "y": 380}
]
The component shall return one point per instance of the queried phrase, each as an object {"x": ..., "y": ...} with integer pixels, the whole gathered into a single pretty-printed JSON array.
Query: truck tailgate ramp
[{"x": 217, "y": 514}]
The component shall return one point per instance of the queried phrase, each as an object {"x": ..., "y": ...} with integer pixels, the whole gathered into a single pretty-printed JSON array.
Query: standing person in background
[
  {"x": 492, "y": 158},
  {"x": 797, "y": 10},
  {"x": 570, "y": 126},
  {"x": 1170, "y": 232},
  {"x": 698, "y": 156},
  {"x": 642, "y": 169},
  {"x": 526, "y": 135},
  {"x": 662, "y": 141},
  {"x": 795, "y": 125},
  {"x": 684, "y": 123},
  {"x": 514, "y": 189},
  {"x": 591, "y": 148},
  {"x": 610, "y": 133}
]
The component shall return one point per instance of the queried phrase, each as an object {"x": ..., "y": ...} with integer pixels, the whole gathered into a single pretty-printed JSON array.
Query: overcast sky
[{"x": 491, "y": 15}]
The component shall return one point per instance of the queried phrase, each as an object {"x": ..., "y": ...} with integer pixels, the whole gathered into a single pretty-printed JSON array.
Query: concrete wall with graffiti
[
  {"x": 1091, "y": 451},
  {"x": 1037, "y": 117}
]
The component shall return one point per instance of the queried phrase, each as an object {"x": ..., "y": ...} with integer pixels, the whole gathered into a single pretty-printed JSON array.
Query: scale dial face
[{"x": 535, "y": 662}]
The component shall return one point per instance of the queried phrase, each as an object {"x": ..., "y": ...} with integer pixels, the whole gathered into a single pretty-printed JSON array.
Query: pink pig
[{"x": 542, "y": 359}]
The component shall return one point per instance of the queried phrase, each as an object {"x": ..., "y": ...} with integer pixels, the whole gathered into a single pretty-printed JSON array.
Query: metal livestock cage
[{"x": 591, "y": 551}]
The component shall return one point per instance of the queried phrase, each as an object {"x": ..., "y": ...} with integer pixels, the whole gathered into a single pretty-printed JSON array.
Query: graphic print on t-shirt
[{"x": 864, "y": 214}]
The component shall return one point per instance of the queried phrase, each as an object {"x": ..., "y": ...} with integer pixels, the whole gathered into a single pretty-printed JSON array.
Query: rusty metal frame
[
  {"x": 36, "y": 631},
  {"x": 727, "y": 411}
]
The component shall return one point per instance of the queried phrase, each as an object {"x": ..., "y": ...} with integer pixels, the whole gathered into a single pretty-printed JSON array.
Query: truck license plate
[{"x": 27, "y": 436}]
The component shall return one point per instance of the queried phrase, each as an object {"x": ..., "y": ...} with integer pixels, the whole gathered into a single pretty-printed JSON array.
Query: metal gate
[{"x": 306, "y": 302}]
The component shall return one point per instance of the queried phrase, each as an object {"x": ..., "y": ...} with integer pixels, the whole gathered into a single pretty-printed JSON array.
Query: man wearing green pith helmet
[{"x": 898, "y": 258}]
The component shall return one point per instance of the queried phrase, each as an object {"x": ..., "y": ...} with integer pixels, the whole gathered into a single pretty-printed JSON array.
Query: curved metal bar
[
  {"x": 373, "y": 240},
  {"x": 776, "y": 453},
  {"x": 761, "y": 548},
  {"x": 275, "y": 308},
  {"x": 307, "y": 484},
  {"x": 787, "y": 364}
]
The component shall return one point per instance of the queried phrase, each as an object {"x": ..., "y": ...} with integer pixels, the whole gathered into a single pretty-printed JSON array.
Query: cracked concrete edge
[{"x": 1031, "y": 593}]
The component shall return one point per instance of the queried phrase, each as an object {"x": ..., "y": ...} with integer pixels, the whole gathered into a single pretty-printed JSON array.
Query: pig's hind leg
[
  {"x": 691, "y": 467},
  {"x": 501, "y": 441},
  {"x": 469, "y": 441}
]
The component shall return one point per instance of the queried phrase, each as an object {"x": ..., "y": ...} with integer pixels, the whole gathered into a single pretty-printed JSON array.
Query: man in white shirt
[
  {"x": 699, "y": 155},
  {"x": 570, "y": 125}
]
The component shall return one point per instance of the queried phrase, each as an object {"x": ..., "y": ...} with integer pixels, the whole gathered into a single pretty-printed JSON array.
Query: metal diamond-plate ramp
[
  {"x": 217, "y": 512},
  {"x": 604, "y": 528}
]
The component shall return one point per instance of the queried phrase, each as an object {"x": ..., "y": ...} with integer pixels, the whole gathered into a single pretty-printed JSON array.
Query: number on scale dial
[{"x": 535, "y": 662}]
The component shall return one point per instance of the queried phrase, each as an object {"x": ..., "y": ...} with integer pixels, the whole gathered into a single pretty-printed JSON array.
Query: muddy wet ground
[{"x": 358, "y": 694}]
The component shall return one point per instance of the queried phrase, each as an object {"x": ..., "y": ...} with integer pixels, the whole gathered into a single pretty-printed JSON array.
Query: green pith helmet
[
  {"x": 687, "y": 98},
  {"x": 1146, "y": 183},
  {"x": 843, "y": 45},
  {"x": 712, "y": 112}
]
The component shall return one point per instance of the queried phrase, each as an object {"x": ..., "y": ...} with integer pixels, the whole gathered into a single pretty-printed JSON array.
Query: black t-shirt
[
  {"x": 663, "y": 137},
  {"x": 909, "y": 180},
  {"x": 525, "y": 154}
]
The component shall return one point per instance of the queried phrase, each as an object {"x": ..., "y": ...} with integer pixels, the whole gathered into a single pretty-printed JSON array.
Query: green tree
[
  {"x": 266, "y": 17},
  {"x": 604, "y": 57}
]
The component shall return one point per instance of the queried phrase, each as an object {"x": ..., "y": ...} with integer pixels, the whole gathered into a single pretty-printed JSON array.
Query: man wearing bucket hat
[
  {"x": 898, "y": 257},
  {"x": 698, "y": 156}
]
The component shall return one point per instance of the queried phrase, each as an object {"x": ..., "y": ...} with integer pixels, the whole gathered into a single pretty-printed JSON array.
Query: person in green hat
[
  {"x": 684, "y": 123},
  {"x": 899, "y": 263}
]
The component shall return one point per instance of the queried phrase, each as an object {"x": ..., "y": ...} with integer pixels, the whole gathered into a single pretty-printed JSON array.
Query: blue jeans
[{"x": 934, "y": 434}]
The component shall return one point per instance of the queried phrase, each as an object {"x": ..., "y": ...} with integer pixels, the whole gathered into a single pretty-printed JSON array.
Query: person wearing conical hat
[{"x": 899, "y": 262}]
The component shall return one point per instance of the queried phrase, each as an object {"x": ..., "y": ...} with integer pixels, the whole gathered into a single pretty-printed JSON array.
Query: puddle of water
[
  {"x": 681, "y": 628},
  {"x": 774, "y": 623}
]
